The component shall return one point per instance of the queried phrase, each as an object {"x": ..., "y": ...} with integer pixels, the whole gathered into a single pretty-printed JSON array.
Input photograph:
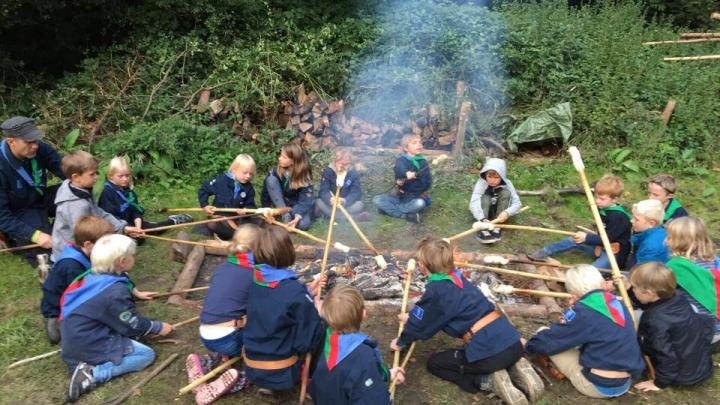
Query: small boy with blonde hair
[
  {"x": 99, "y": 320},
  {"x": 74, "y": 200},
  {"x": 616, "y": 220},
  {"x": 340, "y": 173},
  {"x": 675, "y": 338},
  {"x": 351, "y": 369},
  {"x": 595, "y": 346},
  {"x": 648, "y": 241},
  {"x": 231, "y": 190},
  {"x": 662, "y": 187},
  {"x": 413, "y": 180}
]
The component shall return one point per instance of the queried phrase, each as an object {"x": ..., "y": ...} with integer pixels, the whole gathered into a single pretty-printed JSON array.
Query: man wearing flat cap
[{"x": 26, "y": 202}]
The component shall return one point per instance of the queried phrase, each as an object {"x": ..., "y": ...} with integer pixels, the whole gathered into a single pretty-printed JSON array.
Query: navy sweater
[
  {"x": 114, "y": 200},
  {"x": 64, "y": 271},
  {"x": 300, "y": 200},
  {"x": 416, "y": 187},
  {"x": 351, "y": 191},
  {"x": 618, "y": 229},
  {"x": 454, "y": 310},
  {"x": 223, "y": 188},
  {"x": 227, "y": 296}
]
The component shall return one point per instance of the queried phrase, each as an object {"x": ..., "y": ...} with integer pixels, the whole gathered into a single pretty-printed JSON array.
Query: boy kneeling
[{"x": 99, "y": 321}]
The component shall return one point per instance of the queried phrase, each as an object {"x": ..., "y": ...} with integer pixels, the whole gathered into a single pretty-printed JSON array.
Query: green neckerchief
[
  {"x": 671, "y": 208},
  {"x": 416, "y": 160},
  {"x": 619, "y": 208},
  {"x": 446, "y": 276},
  {"x": 132, "y": 200},
  {"x": 697, "y": 281},
  {"x": 37, "y": 176}
]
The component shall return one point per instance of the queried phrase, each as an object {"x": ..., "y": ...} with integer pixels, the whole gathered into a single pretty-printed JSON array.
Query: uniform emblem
[
  {"x": 369, "y": 382},
  {"x": 242, "y": 195},
  {"x": 418, "y": 312},
  {"x": 569, "y": 315},
  {"x": 125, "y": 316}
]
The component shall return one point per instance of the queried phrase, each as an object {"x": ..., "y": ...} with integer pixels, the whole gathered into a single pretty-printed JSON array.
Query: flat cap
[{"x": 22, "y": 128}]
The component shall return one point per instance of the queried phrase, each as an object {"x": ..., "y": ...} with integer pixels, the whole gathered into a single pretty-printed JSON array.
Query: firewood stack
[{"x": 323, "y": 123}]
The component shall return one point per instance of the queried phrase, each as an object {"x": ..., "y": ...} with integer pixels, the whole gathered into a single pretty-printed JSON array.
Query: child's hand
[
  {"x": 394, "y": 347},
  {"x": 133, "y": 231},
  {"x": 523, "y": 341},
  {"x": 294, "y": 222},
  {"x": 410, "y": 175},
  {"x": 580, "y": 237},
  {"x": 397, "y": 374},
  {"x": 318, "y": 284},
  {"x": 44, "y": 240},
  {"x": 648, "y": 385},
  {"x": 502, "y": 217},
  {"x": 403, "y": 318},
  {"x": 209, "y": 209},
  {"x": 143, "y": 295},
  {"x": 400, "y": 182},
  {"x": 166, "y": 329}
]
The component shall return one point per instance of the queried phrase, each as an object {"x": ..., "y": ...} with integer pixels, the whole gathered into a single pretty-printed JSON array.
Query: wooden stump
[
  {"x": 180, "y": 251},
  {"x": 187, "y": 276}
]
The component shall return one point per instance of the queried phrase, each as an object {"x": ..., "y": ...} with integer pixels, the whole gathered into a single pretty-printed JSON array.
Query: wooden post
[
  {"x": 462, "y": 122},
  {"x": 667, "y": 113},
  {"x": 715, "y": 15},
  {"x": 188, "y": 274}
]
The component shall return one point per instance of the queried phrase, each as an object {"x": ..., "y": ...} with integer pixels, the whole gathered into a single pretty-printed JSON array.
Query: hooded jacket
[{"x": 498, "y": 165}]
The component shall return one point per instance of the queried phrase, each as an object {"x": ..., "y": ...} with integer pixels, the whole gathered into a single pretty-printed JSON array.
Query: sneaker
[
  {"x": 485, "y": 237},
  {"x": 501, "y": 384},
  {"x": 363, "y": 216},
  {"x": 43, "y": 267},
  {"x": 210, "y": 392},
  {"x": 497, "y": 234},
  {"x": 414, "y": 218},
  {"x": 193, "y": 365},
  {"x": 524, "y": 377},
  {"x": 539, "y": 255},
  {"x": 180, "y": 218},
  {"x": 52, "y": 330},
  {"x": 82, "y": 381}
]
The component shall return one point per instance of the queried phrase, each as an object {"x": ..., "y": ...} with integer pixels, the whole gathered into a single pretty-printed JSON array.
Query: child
[
  {"x": 351, "y": 369},
  {"x": 456, "y": 306},
  {"x": 493, "y": 198},
  {"x": 74, "y": 200},
  {"x": 290, "y": 185},
  {"x": 231, "y": 190},
  {"x": 649, "y": 238},
  {"x": 100, "y": 322},
  {"x": 595, "y": 346},
  {"x": 341, "y": 173},
  {"x": 696, "y": 267},
  {"x": 662, "y": 187},
  {"x": 283, "y": 324},
  {"x": 412, "y": 176},
  {"x": 73, "y": 261},
  {"x": 676, "y": 339},
  {"x": 118, "y": 198},
  {"x": 616, "y": 220}
]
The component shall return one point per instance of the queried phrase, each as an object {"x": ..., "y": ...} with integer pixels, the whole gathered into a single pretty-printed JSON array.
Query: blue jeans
[
  {"x": 396, "y": 207},
  {"x": 136, "y": 357},
  {"x": 230, "y": 345},
  {"x": 568, "y": 244}
]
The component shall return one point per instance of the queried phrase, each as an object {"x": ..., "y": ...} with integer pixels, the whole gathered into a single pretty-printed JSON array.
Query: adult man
[{"x": 26, "y": 202}]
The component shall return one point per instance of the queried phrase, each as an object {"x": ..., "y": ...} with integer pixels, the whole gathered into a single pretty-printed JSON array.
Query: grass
[{"x": 44, "y": 381}]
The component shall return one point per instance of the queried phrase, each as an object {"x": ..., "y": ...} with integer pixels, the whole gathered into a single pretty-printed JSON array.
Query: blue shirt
[{"x": 650, "y": 246}]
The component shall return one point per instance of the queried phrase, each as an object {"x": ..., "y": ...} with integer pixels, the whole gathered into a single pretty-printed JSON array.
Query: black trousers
[{"x": 452, "y": 366}]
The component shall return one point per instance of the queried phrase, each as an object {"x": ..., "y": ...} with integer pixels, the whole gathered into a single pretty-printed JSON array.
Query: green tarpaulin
[{"x": 553, "y": 123}]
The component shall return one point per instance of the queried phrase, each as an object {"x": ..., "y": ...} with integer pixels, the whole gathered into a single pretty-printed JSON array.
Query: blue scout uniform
[
  {"x": 228, "y": 193},
  {"x": 605, "y": 336},
  {"x": 300, "y": 200},
  {"x": 282, "y": 322},
  {"x": 351, "y": 370},
  {"x": 417, "y": 187},
  {"x": 121, "y": 202},
  {"x": 351, "y": 191},
  {"x": 649, "y": 246},
  {"x": 71, "y": 263}
]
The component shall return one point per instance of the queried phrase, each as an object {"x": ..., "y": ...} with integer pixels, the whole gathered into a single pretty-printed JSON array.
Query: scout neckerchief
[
  {"x": 701, "y": 283},
  {"x": 85, "y": 287},
  {"x": 453, "y": 276},
  {"x": 36, "y": 180},
  {"x": 415, "y": 160},
  {"x": 266, "y": 275},
  {"x": 244, "y": 260},
  {"x": 72, "y": 251},
  {"x": 607, "y": 305},
  {"x": 619, "y": 208},
  {"x": 237, "y": 185},
  {"x": 130, "y": 200},
  {"x": 339, "y": 345},
  {"x": 673, "y": 206}
]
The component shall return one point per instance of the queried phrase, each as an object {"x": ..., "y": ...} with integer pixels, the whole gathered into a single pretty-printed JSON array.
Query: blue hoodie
[{"x": 649, "y": 245}]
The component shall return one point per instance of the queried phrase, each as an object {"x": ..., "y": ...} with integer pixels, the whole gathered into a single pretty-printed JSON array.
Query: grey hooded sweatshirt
[
  {"x": 72, "y": 204},
  {"x": 476, "y": 206}
]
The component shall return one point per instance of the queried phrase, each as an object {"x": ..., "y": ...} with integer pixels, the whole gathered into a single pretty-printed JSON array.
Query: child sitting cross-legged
[
  {"x": 675, "y": 338},
  {"x": 351, "y": 369},
  {"x": 99, "y": 320},
  {"x": 340, "y": 173},
  {"x": 456, "y": 306},
  {"x": 648, "y": 241},
  {"x": 595, "y": 346}
]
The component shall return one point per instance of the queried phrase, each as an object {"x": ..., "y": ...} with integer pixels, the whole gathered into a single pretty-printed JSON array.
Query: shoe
[
  {"x": 538, "y": 255},
  {"x": 193, "y": 366},
  {"x": 210, "y": 392},
  {"x": 52, "y": 330},
  {"x": 501, "y": 384},
  {"x": 363, "y": 216},
  {"x": 414, "y": 218},
  {"x": 524, "y": 377},
  {"x": 43, "y": 267},
  {"x": 485, "y": 237},
  {"x": 180, "y": 218},
  {"x": 82, "y": 381},
  {"x": 497, "y": 234}
]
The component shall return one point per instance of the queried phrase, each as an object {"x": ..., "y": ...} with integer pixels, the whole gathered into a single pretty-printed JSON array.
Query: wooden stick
[
  {"x": 186, "y": 242},
  {"x": 205, "y": 221},
  {"x": 358, "y": 230},
  {"x": 157, "y": 370},
  {"x": 669, "y": 108},
  {"x": 700, "y": 35},
  {"x": 462, "y": 122},
  {"x": 185, "y": 322},
  {"x": 687, "y": 58},
  {"x": 328, "y": 240},
  {"x": 244, "y": 211},
  {"x": 405, "y": 363},
  {"x": 31, "y": 359},
  {"x": 19, "y": 248},
  {"x": 681, "y": 41},
  {"x": 715, "y": 15},
  {"x": 560, "y": 266},
  {"x": 403, "y": 306},
  {"x": 299, "y": 232},
  {"x": 511, "y": 272},
  {"x": 586, "y": 230},
  {"x": 516, "y": 227},
  {"x": 473, "y": 230},
  {"x": 187, "y": 290},
  {"x": 209, "y": 376},
  {"x": 508, "y": 289},
  {"x": 305, "y": 378}
]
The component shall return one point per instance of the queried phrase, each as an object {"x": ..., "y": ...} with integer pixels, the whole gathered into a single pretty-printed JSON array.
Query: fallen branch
[
  {"x": 31, "y": 359},
  {"x": 508, "y": 289},
  {"x": 688, "y": 58},
  {"x": 700, "y": 35},
  {"x": 209, "y": 376},
  {"x": 187, "y": 290},
  {"x": 157, "y": 370},
  {"x": 511, "y": 272},
  {"x": 669, "y": 108},
  {"x": 681, "y": 41},
  {"x": 19, "y": 248},
  {"x": 167, "y": 67},
  {"x": 206, "y": 221}
]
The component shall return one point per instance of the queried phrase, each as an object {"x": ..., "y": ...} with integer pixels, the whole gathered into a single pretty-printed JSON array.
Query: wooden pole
[
  {"x": 188, "y": 274},
  {"x": 681, "y": 41},
  {"x": 31, "y": 359},
  {"x": 715, "y": 15},
  {"x": 462, "y": 122},
  {"x": 688, "y": 58},
  {"x": 669, "y": 108},
  {"x": 209, "y": 376},
  {"x": 187, "y": 290},
  {"x": 403, "y": 305},
  {"x": 243, "y": 211},
  {"x": 508, "y": 289},
  {"x": 328, "y": 240},
  {"x": 185, "y": 322},
  {"x": 185, "y": 242},
  {"x": 19, "y": 248},
  {"x": 379, "y": 259},
  {"x": 157, "y": 370},
  {"x": 405, "y": 363},
  {"x": 511, "y": 272},
  {"x": 299, "y": 232},
  {"x": 508, "y": 226},
  {"x": 305, "y": 378},
  {"x": 586, "y": 230},
  {"x": 206, "y": 221},
  {"x": 700, "y": 35}
]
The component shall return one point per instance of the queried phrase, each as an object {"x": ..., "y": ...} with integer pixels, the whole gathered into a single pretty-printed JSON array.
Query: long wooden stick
[
  {"x": 358, "y": 230},
  {"x": 157, "y": 370},
  {"x": 687, "y": 58},
  {"x": 31, "y": 359},
  {"x": 473, "y": 230},
  {"x": 508, "y": 289},
  {"x": 185, "y": 322},
  {"x": 586, "y": 230},
  {"x": 700, "y": 35},
  {"x": 403, "y": 306},
  {"x": 328, "y": 240},
  {"x": 299, "y": 232},
  {"x": 681, "y": 41},
  {"x": 187, "y": 290},
  {"x": 207, "y": 377},
  {"x": 511, "y": 272},
  {"x": 19, "y": 248},
  {"x": 205, "y": 221},
  {"x": 244, "y": 211},
  {"x": 508, "y": 226},
  {"x": 186, "y": 242},
  {"x": 405, "y": 363},
  {"x": 305, "y": 378},
  {"x": 548, "y": 264}
]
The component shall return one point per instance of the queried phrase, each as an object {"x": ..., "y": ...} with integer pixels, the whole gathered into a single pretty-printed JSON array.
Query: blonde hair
[
  {"x": 300, "y": 172},
  {"x": 118, "y": 163},
  {"x": 688, "y": 237},
  {"x": 78, "y": 162},
  {"x": 436, "y": 255},
  {"x": 343, "y": 309},
  {"x": 405, "y": 141},
  {"x": 609, "y": 185},
  {"x": 666, "y": 181},
  {"x": 342, "y": 153},
  {"x": 243, "y": 238},
  {"x": 655, "y": 277},
  {"x": 582, "y": 279},
  {"x": 650, "y": 209},
  {"x": 243, "y": 160},
  {"x": 108, "y": 250}
]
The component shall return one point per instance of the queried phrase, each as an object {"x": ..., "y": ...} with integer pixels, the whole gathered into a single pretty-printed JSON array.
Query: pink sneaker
[
  {"x": 193, "y": 365},
  {"x": 209, "y": 393}
]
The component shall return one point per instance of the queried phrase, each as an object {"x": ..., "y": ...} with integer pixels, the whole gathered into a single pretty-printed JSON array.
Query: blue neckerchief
[
  {"x": 85, "y": 287},
  {"x": 72, "y": 251},
  {"x": 128, "y": 201},
  {"x": 34, "y": 182},
  {"x": 268, "y": 276}
]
